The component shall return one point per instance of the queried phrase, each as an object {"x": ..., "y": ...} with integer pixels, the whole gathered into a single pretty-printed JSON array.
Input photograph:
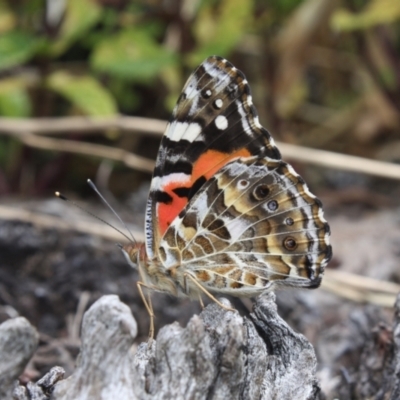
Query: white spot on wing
[
  {"x": 221, "y": 122},
  {"x": 221, "y": 78},
  {"x": 245, "y": 124},
  {"x": 159, "y": 182},
  {"x": 192, "y": 132},
  {"x": 321, "y": 215},
  {"x": 307, "y": 191},
  {"x": 327, "y": 238},
  {"x": 190, "y": 89},
  {"x": 177, "y": 131},
  {"x": 236, "y": 227},
  {"x": 201, "y": 206},
  {"x": 257, "y": 123},
  {"x": 218, "y": 103},
  {"x": 291, "y": 170}
]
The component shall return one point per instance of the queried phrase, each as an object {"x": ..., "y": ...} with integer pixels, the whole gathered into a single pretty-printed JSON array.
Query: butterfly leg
[
  {"x": 149, "y": 307},
  {"x": 201, "y": 302},
  {"x": 194, "y": 280}
]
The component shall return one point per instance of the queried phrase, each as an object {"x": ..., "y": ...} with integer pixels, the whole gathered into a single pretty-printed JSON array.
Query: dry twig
[
  {"x": 19, "y": 129},
  {"x": 360, "y": 288},
  {"x": 50, "y": 221}
]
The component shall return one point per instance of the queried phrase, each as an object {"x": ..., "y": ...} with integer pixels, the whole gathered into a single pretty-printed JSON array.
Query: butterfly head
[{"x": 132, "y": 252}]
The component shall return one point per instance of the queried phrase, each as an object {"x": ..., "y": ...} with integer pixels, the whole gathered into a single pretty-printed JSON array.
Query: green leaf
[
  {"x": 218, "y": 30},
  {"x": 80, "y": 17},
  {"x": 375, "y": 13},
  {"x": 131, "y": 54},
  {"x": 16, "y": 104},
  {"x": 14, "y": 98},
  {"x": 16, "y": 48},
  {"x": 84, "y": 92}
]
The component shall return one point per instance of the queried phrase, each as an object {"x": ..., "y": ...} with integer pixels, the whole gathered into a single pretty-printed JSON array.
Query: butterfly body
[
  {"x": 152, "y": 273},
  {"x": 225, "y": 214}
]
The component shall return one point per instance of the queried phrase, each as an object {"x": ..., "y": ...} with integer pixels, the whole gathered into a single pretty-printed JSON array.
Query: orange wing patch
[
  {"x": 206, "y": 165},
  {"x": 168, "y": 212},
  {"x": 211, "y": 161}
]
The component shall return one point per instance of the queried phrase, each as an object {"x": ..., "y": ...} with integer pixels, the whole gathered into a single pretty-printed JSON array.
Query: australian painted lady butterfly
[{"x": 225, "y": 214}]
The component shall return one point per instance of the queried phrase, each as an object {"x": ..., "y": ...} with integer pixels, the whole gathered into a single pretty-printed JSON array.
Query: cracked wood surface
[{"x": 218, "y": 355}]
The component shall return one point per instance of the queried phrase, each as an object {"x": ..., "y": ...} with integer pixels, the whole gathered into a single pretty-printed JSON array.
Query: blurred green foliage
[
  {"x": 98, "y": 55},
  {"x": 84, "y": 92},
  {"x": 89, "y": 52},
  {"x": 131, "y": 54},
  {"x": 323, "y": 73},
  {"x": 376, "y": 12}
]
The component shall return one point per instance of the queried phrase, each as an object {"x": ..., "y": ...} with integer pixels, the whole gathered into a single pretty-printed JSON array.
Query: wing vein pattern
[{"x": 223, "y": 206}]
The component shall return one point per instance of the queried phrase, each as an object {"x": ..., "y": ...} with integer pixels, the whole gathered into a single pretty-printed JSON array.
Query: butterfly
[{"x": 225, "y": 215}]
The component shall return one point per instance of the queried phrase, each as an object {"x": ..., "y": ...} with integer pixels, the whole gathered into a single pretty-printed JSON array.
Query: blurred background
[
  {"x": 85, "y": 90},
  {"x": 324, "y": 74}
]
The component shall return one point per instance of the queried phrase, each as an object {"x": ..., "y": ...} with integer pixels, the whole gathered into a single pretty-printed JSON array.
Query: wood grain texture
[{"x": 218, "y": 355}]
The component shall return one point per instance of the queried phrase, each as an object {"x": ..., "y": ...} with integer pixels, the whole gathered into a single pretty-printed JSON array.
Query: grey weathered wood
[
  {"x": 379, "y": 371},
  {"x": 104, "y": 368},
  {"x": 40, "y": 390},
  {"x": 222, "y": 355},
  {"x": 218, "y": 355},
  {"x": 377, "y": 375},
  {"x": 396, "y": 339},
  {"x": 291, "y": 354},
  {"x": 18, "y": 342}
]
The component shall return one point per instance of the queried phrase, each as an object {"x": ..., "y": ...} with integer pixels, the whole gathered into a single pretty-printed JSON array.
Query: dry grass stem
[
  {"x": 34, "y": 127},
  {"x": 88, "y": 149},
  {"x": 49, "y": 221},
  {"x": 63, "y": 125},
  {"x": 340, "y": 161},
  {"x": 360, "y": 288},
  {"x": 77, "y": 320}
]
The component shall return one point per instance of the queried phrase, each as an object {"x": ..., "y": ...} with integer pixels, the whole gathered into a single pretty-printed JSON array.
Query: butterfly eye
[
  {"x": 290, "y": 244},
  {"x": 289, "y": 221},
  {"x": 206, "y": 93},
  {"x": 243, "y": 184},
  {"x": 261, "y": 192},
  {"x": 272, "y": 205}
]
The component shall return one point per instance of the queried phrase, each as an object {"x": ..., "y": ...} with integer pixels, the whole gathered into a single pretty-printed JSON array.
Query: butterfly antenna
[
  {"x": 93, "y": 186},
  {"x": 62, "y": 197}
]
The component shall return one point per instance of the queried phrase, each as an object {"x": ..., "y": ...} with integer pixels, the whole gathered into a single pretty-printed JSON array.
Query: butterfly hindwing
[
  {"x": 213, "y": 123},
  {"x": 253, "y": 224}
]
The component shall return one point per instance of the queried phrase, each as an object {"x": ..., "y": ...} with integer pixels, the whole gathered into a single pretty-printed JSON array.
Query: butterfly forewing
[{"x": 213, "y": 123}]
